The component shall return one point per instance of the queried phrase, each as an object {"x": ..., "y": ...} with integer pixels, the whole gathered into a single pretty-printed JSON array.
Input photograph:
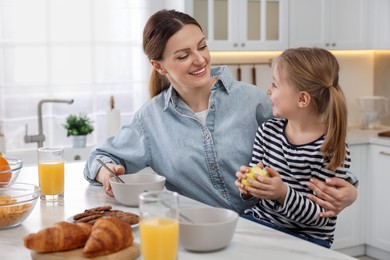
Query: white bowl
[
  {"x": 127, "y": 193},
  {"x": 212, "y": 230}
]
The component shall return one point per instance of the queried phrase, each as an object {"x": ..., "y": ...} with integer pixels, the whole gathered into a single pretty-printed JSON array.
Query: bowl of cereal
[
  {"x": 17, "y": 200},
  {"x": 9, "y": 168}
]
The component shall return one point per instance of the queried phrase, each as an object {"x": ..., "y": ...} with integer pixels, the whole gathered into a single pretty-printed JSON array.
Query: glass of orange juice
[
  {"x": 51, "y": 173},
  {"x": 159, "y": 225}
]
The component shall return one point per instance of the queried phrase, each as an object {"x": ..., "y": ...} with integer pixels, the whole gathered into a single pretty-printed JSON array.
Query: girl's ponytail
[{"x": 335, "y": 121}]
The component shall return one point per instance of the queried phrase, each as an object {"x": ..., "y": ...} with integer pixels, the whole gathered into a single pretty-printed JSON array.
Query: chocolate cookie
[{"x": 91, "y": 215}]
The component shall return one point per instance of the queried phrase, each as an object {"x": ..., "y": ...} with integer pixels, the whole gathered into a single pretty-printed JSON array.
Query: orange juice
[
  {"x": 159, "y": 238},
  {"x": 51, "y": 178}
]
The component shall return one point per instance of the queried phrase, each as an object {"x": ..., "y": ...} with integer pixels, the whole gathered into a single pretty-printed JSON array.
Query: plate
[
  {"x": 71, "y": 220},
  {"x": 129, "y": 253}
]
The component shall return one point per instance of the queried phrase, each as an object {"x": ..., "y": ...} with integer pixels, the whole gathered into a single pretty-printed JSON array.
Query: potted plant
[{"x": 78, "y": 126}]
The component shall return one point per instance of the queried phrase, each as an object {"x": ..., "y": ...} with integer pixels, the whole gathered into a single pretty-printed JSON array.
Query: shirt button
[
  {"x": 212, "y": 107},
  {"x": 207, "y": 136}
]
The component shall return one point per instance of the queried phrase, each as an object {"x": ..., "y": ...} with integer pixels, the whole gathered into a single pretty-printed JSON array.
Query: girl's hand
[
  {"x": 104, "y": 176},
  {"x": 241, "y": 175},
  {"x": 271, "y": 188}
]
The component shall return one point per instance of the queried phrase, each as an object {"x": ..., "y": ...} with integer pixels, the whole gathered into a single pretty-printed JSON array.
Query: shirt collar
[{"x": 224, "y": 79}]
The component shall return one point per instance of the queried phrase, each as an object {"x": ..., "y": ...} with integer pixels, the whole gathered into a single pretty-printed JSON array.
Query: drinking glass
[
  {"x": 51, "y": 173},
  {"x": 159, "y": 225}
]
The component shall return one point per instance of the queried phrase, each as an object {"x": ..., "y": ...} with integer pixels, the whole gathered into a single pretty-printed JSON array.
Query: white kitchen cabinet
[
  {"x": 330, "y": 24},
  {"x": 379, "y": 24},
  {"x": 349, "y": 234},
  {"x": 233, "y": 25},
  {"x": 378, "y": 206}
]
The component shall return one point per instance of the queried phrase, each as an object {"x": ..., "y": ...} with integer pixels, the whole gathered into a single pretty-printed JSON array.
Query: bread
[
  {"x": 108, "y": 235},
  {"x": 59, "y": 237}
]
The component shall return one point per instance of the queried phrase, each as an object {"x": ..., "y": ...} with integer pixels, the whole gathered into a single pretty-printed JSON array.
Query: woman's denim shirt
[{"x": 199, "y": 161}]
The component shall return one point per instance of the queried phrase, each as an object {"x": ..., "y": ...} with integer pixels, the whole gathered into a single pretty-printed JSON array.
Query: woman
[{"x": 199, "y": 126}]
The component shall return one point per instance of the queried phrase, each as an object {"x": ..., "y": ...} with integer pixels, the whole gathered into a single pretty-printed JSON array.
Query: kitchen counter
[
  {"x": 251, "y": 240},
  {"x": 357, "y": 136}
]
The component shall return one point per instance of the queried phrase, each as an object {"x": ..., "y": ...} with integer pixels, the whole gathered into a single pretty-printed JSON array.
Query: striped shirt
[{"x": 296, "y": 164}]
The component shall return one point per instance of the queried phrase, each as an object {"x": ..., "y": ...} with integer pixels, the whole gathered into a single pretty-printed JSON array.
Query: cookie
[{"x": 90, "y": 216}]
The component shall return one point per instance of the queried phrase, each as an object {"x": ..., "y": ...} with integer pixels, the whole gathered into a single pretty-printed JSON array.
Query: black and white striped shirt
[{"x": 296, "y": 164}]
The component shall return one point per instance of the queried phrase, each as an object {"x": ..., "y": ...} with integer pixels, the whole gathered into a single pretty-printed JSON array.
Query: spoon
[
  {"x": 112, "y": 172},
  {"x": 183, "y": 217}
]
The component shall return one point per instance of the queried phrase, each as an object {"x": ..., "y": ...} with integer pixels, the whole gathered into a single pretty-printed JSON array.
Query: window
[{"x": 85, "y": 50}]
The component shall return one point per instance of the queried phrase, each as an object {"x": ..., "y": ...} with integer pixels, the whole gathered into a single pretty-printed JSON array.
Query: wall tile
[{"x": 382, "y": 79}]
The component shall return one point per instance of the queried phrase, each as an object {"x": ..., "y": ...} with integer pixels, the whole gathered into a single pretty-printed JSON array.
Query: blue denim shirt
[{"x": 199, "y": 161}]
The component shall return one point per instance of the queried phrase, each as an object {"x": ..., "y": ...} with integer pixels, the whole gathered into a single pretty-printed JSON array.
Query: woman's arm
[{"x": 334, "y": 195}]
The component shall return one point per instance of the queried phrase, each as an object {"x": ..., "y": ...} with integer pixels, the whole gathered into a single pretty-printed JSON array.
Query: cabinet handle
[
  {"x": 242, "y": 44},
  {"x": 327, "y": 44},
  {"x": 333, "y": 44},
  {"x": 235, "y": 45},
  {"x": 384, "y": 153}
]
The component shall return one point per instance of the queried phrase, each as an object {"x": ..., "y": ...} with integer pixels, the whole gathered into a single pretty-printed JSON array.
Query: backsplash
[
  {"x": 362, "y": 73},
  {"x": 382, "y": 78}
]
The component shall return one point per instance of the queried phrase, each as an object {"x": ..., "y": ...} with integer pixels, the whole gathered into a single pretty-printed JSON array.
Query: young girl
[{"x": 307, "y": 138}]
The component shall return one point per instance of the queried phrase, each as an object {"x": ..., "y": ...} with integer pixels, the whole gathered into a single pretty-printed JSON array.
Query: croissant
[
  {"x": 108, "y": 235},
  {"x": 59, "y": 237}
]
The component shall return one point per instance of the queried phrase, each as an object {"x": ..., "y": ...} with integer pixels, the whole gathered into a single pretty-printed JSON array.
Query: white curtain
[{"x": 85, "y": 50}]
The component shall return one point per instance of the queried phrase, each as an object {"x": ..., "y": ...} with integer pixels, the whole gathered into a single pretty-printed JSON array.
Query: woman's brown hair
[
  {"x": 158, "y": 29},
  {"x": 316, "y": 71}
]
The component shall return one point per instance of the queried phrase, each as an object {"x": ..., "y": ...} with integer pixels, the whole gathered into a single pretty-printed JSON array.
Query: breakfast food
[
  {"x": 109, "y": 235},
  {"x": 5, "y": 170},
  {"x": 11, "y": 214},
  {"x": 61, "y": 236},
  {"x": 252, "y": 171},
  {"x": 90, "y": 216}
]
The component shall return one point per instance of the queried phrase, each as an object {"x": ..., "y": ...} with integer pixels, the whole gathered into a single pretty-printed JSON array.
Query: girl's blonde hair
[{"x": 316, "y": 71}]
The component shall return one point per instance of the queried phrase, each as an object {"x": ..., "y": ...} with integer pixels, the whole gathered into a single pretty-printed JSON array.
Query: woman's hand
[
  {"x": 333, "y": 195},
  {"x": 104, "y": 176}
]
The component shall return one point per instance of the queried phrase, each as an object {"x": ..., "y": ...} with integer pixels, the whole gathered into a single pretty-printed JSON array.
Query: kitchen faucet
[{"x": 40, "y": 137}]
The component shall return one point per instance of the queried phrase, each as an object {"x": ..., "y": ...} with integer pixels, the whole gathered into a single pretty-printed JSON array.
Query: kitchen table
[{"x": 250, "y": 241}]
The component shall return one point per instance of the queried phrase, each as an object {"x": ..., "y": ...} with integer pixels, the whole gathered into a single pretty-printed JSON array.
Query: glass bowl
[
  {"x": 17, "y": 200},
  {"x": 10, "y": 175}
]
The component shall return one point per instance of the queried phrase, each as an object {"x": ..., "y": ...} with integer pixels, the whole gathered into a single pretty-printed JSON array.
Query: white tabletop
[{"x": 251, "y": 240}]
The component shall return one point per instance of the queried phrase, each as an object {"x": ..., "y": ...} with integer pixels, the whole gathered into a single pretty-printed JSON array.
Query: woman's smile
[{"x": 199, "y": 72}]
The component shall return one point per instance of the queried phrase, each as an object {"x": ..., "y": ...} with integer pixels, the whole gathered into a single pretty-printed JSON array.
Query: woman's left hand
[{"x": 333, "y": 195}]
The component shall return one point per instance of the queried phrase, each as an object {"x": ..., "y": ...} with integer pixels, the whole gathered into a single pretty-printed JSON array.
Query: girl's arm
[{"x": 274, "y": 195}]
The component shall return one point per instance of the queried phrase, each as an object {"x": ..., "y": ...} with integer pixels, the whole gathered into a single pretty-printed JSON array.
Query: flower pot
[{"x": 79, "y": 141}]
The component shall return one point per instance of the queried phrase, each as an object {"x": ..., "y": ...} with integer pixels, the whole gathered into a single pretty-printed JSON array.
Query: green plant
[{"x": 78, "y": 125}]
